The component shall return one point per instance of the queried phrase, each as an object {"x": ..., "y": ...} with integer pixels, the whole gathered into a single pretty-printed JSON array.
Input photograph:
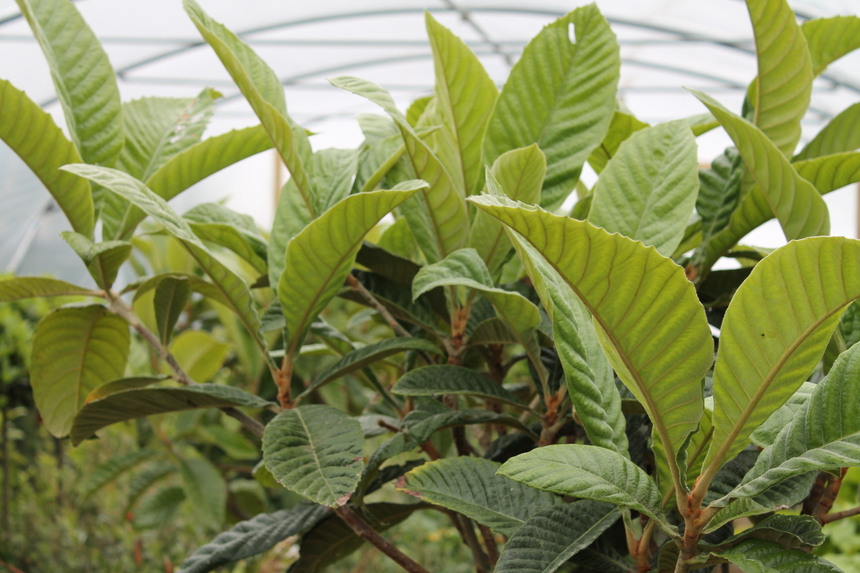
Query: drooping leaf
[
  {"x": 632, "y": 305},
  {"x": 829, "y": 39},
  {"x": 112, "y": 469},
  {"x": 447, "y": 379},
  {"x": 140, "y": 402},
  {"x": 551, "y": 537},
  {"x": 560, "y": 95},
  {"x": 470, "y": 486},
  {"x": 171, "y": 296},
  {"x": 33, "y": 135},
  {"x": 320, "y": 257},
  {"x": 231, "y": 230},
  {"x": 156, "y": 509},
  {"x": 103, "y": 260},
  {"x": 75, "y": 350},
  {"x": 794, "y": 200},
  {"x": 838, "y": 136},
  {"x": 648, "y": 190},
  {"x": 775, "y": 331},
  {"x": 83, "y": 77},
  {"x": 790, "y": 531},
  {"x": 589, "y": 472},
  {"x": 621, "y": 127},
  {"x": 123, "y": 384},
  {"x": 762, "y": 556},
  {"x": 199, "y": 353},
  {"x": 438, "y": 215},
  {"x": 17, "y": 288},
  {"x": 315, "y": 451}
]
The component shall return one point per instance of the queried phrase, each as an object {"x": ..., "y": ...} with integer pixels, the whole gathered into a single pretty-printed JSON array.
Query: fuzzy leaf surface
[{"x": 448, "y": 379}]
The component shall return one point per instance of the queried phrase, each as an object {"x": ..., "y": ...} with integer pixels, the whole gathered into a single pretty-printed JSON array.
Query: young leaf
[
  {"x": 648, "y": 318},
  {"x": 766, "y": 434},
  {"x": 75, "y": 350},
  {"x": 465, "y": 96},
  {"x": 774, "y": 333},
  {"x": 103, "y": 260},
  {"x": 761, "y": 556},
  {"x": 719, "y": 193},
  {"x": 794, "y": 200},
  {"x": 320, "y": 257},
  {"x": 199, "y": 353},
  {"x": 33, "y": 135},
  {"x": 552, "y": 536},
  {"x": 315, "y": 451},
  {"x": 648, "y": 190},
  {"x": 839, "y": 135},
  {"x": 171, "y": 296},
  {"x": 140, "y": 402},
  {"x": 206, "y": 490},
  {"x": 830, "y": 38},
  {"x": 83, "y": 77},
  {"x": 560, "y": 95},
  {"x": 438, "y": 215},
  {"x": 620, "y": 129},
  {"x": 470, "y": 486},
  {"x": 589, "y": 472},
  {"x": 447, "y": 379},
  {"x": 17, "y": 288}
]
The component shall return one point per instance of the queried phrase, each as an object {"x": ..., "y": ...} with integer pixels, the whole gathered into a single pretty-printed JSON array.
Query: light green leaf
[
  {"x": 830, "y": 38},
  {"x": 447, "y": 379},
  {"x": 551, "y": 537},
  {"x": 112, "y": 469},
  {"x": 33, "y": 135},
  {"x": 623, "y": 125},
  {"x": 231, "y": 230},
  {"x": 761, "y": 556},
  {"x": 648, "y": 190},
  {"x": 840, "y": 135},
  {"x": 438, "y": 215},
  {"x": 17, "y": 288},
  {"x": 156, "y": 509},
  {"x": 767, "y": 432},
  {"x": 320, "y": 257},
  {"x": 784, "y": 83},
  {"x": 103, "y": 260},
  {"x": 470, "y": 486},
  {"x": 332, "y": 174},
  {"x": 75, "y": 350},
  {"x": 589, "y": 472},
  {"x": 795, "y": 201},
  {"x": 315, "y": 451},
  {"x": 83, "y": 77},
  {"x": 719, "y": 193},
  {"x": 199, "y": 353},
  {"x": 140, "y": 402},
  {"x": 774, "y": 333},
  {"x": 560, "y": 95},
  {"x": 648, "y": 318},
  {"x": 465, "y": 96},
  {"x": 205, "y": 489}
]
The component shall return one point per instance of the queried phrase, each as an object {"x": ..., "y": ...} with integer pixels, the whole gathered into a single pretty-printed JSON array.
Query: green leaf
[
  {"x": 75, "y": 350},
  {"x": 560, "y": 95},
  {"x": 470, "y": 486},
  {"x": 767, "y": 432},
  {"x": 438, "y": 216},
  {"x": 719, "y": 193},
  {"x": 648, "y": 190},
  {"x": 786, "y": 494},
  {"x": 589, "y": 472},
  {"x": 83, "y": 77},
  {"x": 552, "y": 536},
  {"x": 234, "y": 444},
  {"x": 199, "y": 353},
  {"x": 837, "y": 136},
  {"x": 264, "y": 92},
  {"x": 33, "y": 135},
  {"x": 315, "y": 451},
  {"x": 397, "y": 299},
  {"x": 795, "y": 201},
  {"x": 648, "y": 318},
  {"x": 140, "y": 402},
  {"x": 123, "y": 384},
  {"x": 171, "y": 296},
  {"x": 447, "y": 379},
  {"x": 367, "y": 355},
  {"x": 320, "y": 257},
  {"x": 17, "y": 288},
  {"x": 231, "y": 230},
  {"x": 156, "y": 510},
  {"x": 830, "y": 38},
  {"x": 519, "y": 175},
  {"x": 760, "y": 556},
  {"x": 790, "y": 531},
  {"x": 206, "y": 489},
  {"x": 775, "y": 331},
  {"x": 465, "y": 96},
  {"x": 103, "y": 260},
  {"x": 144, "y": 479},
  {"x": 112, "y": 469},
  {"x": 195, "y": 283},
  {"x": 197, "y": 163},
  {"x": 254, "y": 536},
  {"x": 623, "y": 125},
  {"x": 784, "y": 83},
  {"x": 389, "y": 265}
]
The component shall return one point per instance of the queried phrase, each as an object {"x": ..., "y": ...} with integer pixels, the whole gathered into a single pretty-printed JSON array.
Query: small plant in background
[{"x": 547, "y": 383}]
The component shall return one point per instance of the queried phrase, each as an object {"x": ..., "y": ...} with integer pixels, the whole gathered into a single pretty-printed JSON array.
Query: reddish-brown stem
[
  {"x": 825, "y": 503},
  {"x": 836, "y": 516},
  {"x": 490, "y": 544},
  {"x": 366, "y": 532}
]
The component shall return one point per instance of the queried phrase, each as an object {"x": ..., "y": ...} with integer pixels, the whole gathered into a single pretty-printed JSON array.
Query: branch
[
  {"x": 363, "y": 530},
  {"x": 825, "y": 519},
  {"x": 373, "y": 303}
]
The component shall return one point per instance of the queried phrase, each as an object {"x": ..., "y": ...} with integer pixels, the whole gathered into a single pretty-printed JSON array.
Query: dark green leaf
[
  {"x": 171, "y": 296},
  {"x": 446, "y": 379}
]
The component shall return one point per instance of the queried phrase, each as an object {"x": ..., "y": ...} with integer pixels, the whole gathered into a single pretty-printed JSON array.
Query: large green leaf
[
  {"x": 465, "y": 96},
  {"x": 519, "y": 174},
  {"x": 254, "y": 536},
  {"x": 103, "y": 260},
  {"x": 33, "y": 135},
  {"x": 841, "y": 134},
  {"x": 17, "y": 288},
  {"x": 774, "y": 333},
  {"x": 551, "y": 537},
  {"x": 447, "y": 379},
  {"x": 829, "y": 39},
  {"x": 648, "y": 318},
  {"x": 784, "y": 83},
  {"x": 206, "y": 489},
  {"x": 589, "y": 472},
  {"x": 795, "y": 201},
  {"x": 264, "y": 92},
  {"x": 471, "y": 486},
  {"x": 74, "y": 351},
  {"x": 320, "y": 257},
  {"x": 762, "y": 556},
  {"x": 140, "y": 402},
  {"x": 560, "y": 95},
  {"x": 623, "y": 125},
  {"x": 648, "y": 190},
  {"x": 438, "y": 215},
  {"x": 83, "y": 77},
  {"x": 315, "y": 451}
]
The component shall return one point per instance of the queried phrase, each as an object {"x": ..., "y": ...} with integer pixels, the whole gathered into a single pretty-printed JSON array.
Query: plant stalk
[{"x": 363, "y": 530}]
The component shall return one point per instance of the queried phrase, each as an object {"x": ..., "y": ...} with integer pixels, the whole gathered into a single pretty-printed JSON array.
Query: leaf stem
[{"x": 363, "y": 530}]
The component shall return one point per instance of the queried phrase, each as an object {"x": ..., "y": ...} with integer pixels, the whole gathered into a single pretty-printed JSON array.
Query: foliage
[{"x": 546, "y": 384}]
